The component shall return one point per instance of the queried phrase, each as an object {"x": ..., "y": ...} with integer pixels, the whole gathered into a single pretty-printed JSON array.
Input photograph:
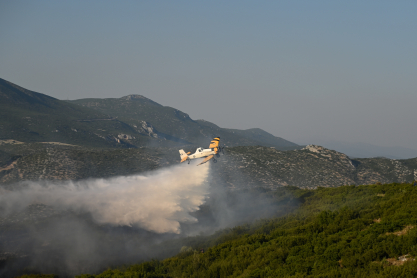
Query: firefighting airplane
[{"x": 213, "y": 150}]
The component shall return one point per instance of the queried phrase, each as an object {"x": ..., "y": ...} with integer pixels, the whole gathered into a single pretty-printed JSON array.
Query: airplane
[{"x": 213, "y": 150}]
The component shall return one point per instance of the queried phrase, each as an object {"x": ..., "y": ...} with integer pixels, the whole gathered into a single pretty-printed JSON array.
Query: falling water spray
[{"x": 157, "y": 201}]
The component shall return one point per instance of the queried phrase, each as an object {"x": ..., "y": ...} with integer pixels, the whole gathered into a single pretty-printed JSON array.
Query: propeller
[{"x": 221, "y": 149}]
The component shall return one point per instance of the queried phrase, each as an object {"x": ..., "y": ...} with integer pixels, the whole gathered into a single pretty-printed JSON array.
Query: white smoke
[{"x": 157, "y": 202}]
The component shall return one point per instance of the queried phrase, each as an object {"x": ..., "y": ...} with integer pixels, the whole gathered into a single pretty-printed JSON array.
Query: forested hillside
[{"x": 349, "y": 231}]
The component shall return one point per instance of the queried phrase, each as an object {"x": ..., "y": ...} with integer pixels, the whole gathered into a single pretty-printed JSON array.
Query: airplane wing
[
  {"x": 206, "y": 159},
  {"x": 214, "y": 143}
]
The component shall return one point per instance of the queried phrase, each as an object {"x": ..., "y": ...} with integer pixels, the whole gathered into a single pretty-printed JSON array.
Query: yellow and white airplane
[{"x": 213, "y": 150}]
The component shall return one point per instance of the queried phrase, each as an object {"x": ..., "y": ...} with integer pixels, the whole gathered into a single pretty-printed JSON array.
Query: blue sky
[{"x": 307, "y": 71}]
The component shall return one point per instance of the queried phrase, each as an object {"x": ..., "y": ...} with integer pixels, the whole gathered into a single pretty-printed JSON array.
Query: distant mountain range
[{"x": 130, "y": 121}]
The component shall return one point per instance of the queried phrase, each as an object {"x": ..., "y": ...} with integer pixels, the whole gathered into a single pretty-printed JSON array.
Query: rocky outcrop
[
  {"x": 125, "y": 136},
  {"x": 146, "y": 128}
]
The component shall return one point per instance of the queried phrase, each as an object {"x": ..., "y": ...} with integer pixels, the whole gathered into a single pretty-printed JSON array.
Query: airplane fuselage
[
  {"x": 208, "y": 154},
  {"x": 200, "y": 152}
]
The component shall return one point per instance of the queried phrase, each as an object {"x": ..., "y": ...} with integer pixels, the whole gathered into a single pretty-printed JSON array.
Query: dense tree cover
[{"x": 349, "y": 231}]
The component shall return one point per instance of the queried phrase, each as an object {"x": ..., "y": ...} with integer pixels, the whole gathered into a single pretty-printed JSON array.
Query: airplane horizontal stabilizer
[{"x": 184, "y": 156}]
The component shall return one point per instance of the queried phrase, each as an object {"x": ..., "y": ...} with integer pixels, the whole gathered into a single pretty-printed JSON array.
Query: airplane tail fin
[{"x": 183, "y": 155}]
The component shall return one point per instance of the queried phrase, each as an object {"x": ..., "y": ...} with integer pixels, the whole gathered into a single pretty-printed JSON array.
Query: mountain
[
  {"x": 45, "y": 138},
  {"x": 172, "y": 124},
  {"x": 130, "y": 121},
  {"x": 33, "y": 117},
  {"x": 311, "y": 167},
  {"x": 362, "y": 150},
  {"x": 46, "y": 161},
  {"x": 240, "y": 168}
]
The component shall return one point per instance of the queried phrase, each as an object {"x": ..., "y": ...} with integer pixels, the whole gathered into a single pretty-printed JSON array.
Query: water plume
[{"x": 158, "y": 201}]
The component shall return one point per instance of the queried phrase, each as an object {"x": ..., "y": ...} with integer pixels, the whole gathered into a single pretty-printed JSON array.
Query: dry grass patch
[
  {"x": 400, "y": 260},
  {"x": 402, "y": 232},
  {"x": 10, "y": 141},
  {"x": 57, "y": 143},
  {"x": 8, "y": 167}
]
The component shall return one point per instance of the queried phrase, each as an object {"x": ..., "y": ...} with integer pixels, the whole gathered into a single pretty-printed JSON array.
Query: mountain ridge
[
  {"x": 127, "y": 122},
  {"x": 166, "y": 120},
  {"x": 240, "y": 168},
  {"x": 29, "y": 116}
]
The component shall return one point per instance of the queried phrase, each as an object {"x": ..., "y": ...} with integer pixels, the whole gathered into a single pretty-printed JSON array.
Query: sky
[{"x": 307, "y": 71}]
